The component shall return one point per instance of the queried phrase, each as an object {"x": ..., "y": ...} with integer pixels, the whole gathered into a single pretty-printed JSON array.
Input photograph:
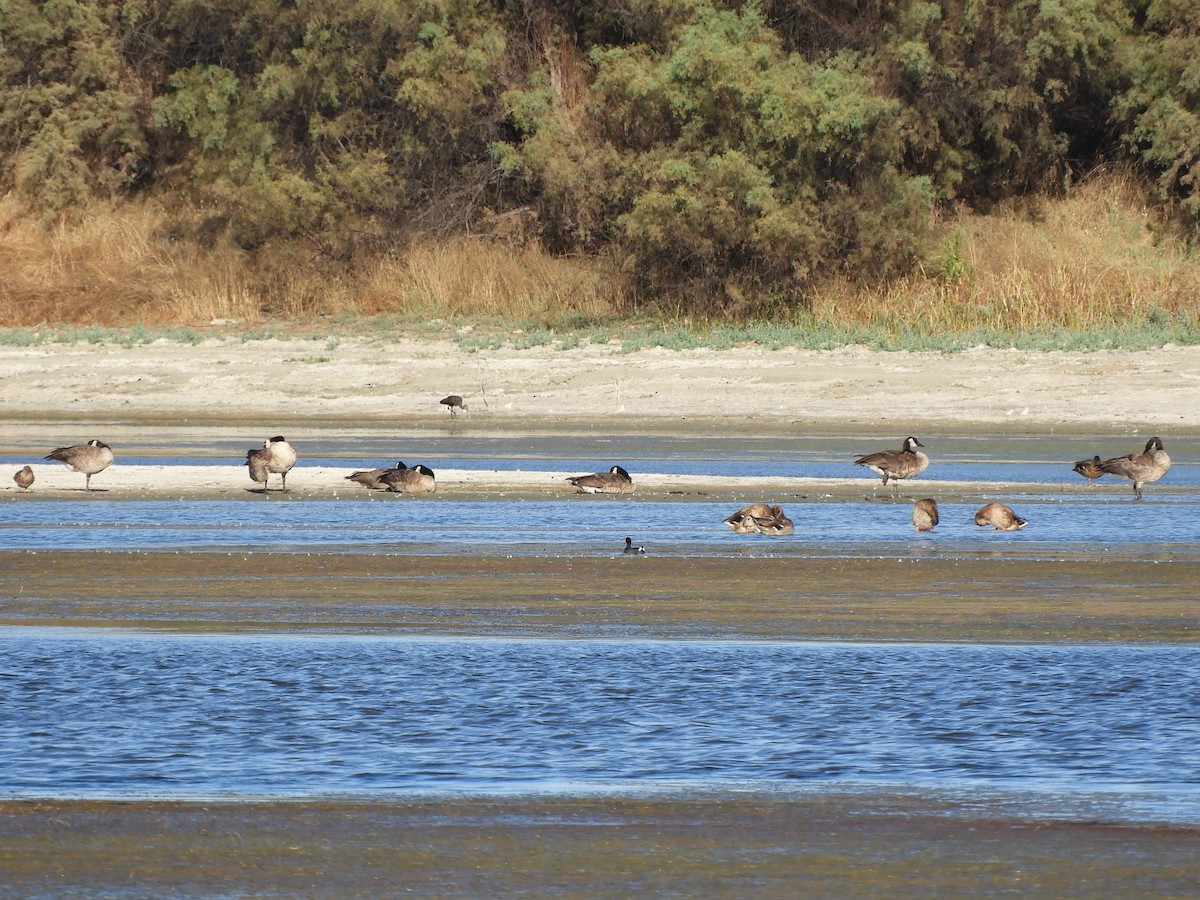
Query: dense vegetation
[{"x": 703, "y": 155}]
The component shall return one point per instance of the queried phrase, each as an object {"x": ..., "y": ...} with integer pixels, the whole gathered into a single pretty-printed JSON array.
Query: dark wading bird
[
  {"x": 275, "y": 456},
  {"x": 1089, "y": 469},
  {"x": 896, "y": 465},
  {"x": 455, "y": 403},
  {"x": 371, "y": 478},
  {"x": 1000, "y": 517},
  {"x": 759, "y": 518},
  {"x": 415, "y": 480},
  {"x": 629, "y": 548},
  {"x": 24, "y": 478},
  {"x": 1140, "y": 468},
  {"x": 89, "y": 458},
  {"x": 615, "y": 481},
  {"x": 925, "y": 514}
]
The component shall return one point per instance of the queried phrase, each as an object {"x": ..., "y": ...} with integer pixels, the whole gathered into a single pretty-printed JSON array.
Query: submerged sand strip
[
  {"x": 717, "y": 846},
  {"x": 971, "y": 598}
]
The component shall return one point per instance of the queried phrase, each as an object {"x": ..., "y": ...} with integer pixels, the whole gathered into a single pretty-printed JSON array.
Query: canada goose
[
  {"x": 1089, "y": 469},
  {"x": 759, "y": 518},
  {"x": 417, "y": 480},
  {"x": 999, "y": 517},
  {"x": 897, "y": 464},
  {"x": 615, "y": 481},
  {"x": 925, "y": 514},
  {"x": 370, "y": 478},
  {"x": 455, "y": 403},
  {"x": 1140, "y": 468},
  {"x": 89, "y": 458},
  {"x": 275, "y": 456},
  {"x": 629, "y": 548},
  {"x": 24, "y": 478}
]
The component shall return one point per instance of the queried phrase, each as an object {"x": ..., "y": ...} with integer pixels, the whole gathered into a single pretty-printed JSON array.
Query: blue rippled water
[{"x": 135, "y": 714}]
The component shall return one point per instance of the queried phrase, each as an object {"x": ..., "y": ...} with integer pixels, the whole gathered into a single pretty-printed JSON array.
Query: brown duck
[
  {"x": 1089, "y": 469},
  {"x": 24, "y": 478},
  {"x": 759, "y": 518},
  {"x": 925, "y": 514},
  {"x": 1000, "y": 517}
]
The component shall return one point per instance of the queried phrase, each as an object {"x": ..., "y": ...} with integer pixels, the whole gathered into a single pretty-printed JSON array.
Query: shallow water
[
  {"x": 594, "y": 526},
  {"x": 104, "y": 714},
  {"x": 100, "y": 713}
]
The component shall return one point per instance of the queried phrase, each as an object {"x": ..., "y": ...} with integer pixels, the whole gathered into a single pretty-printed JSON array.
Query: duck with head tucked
[
  {"x": 1000, "y": 517},
  {"x": 759, "y": 518}
]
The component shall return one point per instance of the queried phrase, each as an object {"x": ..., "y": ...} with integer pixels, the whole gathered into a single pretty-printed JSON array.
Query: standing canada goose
[
  {"x": 1140, "y": 468},
  {"x": 615, "y": 481},
  {"x": 759, "y": 518},
  {"x": 370, "y": 479},
  {"x": 24, "y": 478},
  {"x": 417, "y": 480},
  {"x": 629, "y": 548},
  {"x": 1000, "y": 517},
  {"x": 897, "y": 464},
  {"x": 89, "y": 458},
  {"x": 275, "y": 456},
  {"x": 925, "y": 514},
  {"x": 1089, "y": 469},
  {"x": 455, "y": 403}
]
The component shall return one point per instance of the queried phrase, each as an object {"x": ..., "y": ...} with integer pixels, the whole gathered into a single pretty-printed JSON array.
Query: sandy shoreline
[{"x": 401, "y": 381}]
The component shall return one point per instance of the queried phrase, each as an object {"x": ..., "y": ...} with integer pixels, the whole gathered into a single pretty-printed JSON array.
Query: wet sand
[
  {"x": 968, "y": 598},
  {"x": 724, "y": 846}
]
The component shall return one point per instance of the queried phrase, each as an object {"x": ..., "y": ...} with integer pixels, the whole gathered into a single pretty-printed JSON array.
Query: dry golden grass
[
  {"x": 473, "y": 276},
  {"x": 1095, "y": 260},
  {"x": 1090, "y": 261}
]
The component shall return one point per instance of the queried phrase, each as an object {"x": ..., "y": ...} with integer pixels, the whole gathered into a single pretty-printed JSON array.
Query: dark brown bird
[
  {"x": 455, "y": 403},
  {"x": 24, "y": 478},
  {"x": 629, "y": 548},
  {"x": 908, "y": 462},
  {"x": 417, "y": 480},
  {"x": 615, "y": 481},
  {"x": 925, "y": 514},
  {"x": 274, "y": 456},
  {"x": 1089, "y": 469},
  {"x": 759, "y": 518},
  {"x": 370, "y": 478},
  {"x": 1000, "y": 517},
  {"x": 89, "y": 458},
  {"x": 1140, "y": 468}
]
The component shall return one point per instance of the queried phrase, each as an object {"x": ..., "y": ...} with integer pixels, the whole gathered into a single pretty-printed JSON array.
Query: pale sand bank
[
  {"x": 398, "y": 381},
  {"x": 231, "y": 482}
]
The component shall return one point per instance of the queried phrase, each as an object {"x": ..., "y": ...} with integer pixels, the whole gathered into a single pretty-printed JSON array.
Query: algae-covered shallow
[
  {"x": 719, "y": 845},
  {"x": 988, "y": 595}
]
